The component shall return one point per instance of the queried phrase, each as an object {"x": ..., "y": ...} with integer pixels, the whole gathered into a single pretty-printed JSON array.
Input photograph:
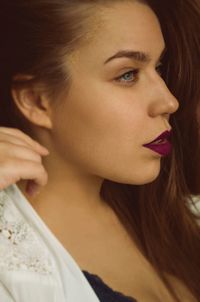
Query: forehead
[
  {"x": 130, "y": 20},
  {"x": 124, "y": 25}
]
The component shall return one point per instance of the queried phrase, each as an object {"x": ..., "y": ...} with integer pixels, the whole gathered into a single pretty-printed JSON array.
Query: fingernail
[{"x": 44, "y": 151}]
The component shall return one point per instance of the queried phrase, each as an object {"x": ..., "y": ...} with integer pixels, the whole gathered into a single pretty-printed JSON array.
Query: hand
[{"x": 21, "y": 158}]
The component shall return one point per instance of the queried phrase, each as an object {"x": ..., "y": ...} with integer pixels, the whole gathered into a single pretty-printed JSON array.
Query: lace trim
[{"x": 20, "y": 248}]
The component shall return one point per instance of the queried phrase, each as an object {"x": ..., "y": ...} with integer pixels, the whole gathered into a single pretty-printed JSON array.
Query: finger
[
  {"x": 9, "y": 143},
  {"x": 37, "y": 173},
  {"x": 20, "y": 137},
  {"x": 17, "y": 170},
  {"x": 18, "y": 152}
]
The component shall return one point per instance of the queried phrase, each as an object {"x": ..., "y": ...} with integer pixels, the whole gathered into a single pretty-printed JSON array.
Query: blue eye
[{"x": 128, "y": 77}]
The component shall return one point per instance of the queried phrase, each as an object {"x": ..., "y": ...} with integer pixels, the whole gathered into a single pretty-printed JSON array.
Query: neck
[{"x": 68, "y": 188}]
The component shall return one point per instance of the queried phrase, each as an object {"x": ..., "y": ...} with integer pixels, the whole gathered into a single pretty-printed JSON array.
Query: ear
[{"x": 32, "y": 103}]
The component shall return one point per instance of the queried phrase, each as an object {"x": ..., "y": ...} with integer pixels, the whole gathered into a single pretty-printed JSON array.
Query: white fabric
[
  {"x": 34, "y": 266},
  {"x": 194, "y": 205}
]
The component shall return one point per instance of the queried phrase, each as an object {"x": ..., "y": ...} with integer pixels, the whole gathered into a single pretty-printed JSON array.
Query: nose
[{"x": 163, "y": 102}]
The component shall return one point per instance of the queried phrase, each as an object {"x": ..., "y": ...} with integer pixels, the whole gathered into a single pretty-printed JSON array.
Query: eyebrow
[{"x": 138, "y": 56}]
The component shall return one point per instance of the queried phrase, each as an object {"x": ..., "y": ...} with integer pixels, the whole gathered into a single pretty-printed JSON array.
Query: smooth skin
[{"x": 97, "y": 132}]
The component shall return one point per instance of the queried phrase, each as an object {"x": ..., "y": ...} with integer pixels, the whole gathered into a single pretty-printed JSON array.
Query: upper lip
[{"x": 163, "y": 136}]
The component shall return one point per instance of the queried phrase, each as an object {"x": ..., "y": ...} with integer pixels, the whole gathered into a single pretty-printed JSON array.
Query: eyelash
[{"x": 135, "y": 73}]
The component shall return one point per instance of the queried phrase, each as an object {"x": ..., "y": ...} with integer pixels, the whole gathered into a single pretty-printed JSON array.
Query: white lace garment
[{"x": 34, "y": 266}]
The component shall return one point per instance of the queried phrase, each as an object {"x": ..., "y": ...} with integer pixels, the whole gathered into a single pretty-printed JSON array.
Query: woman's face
[{"x": 117, "y": 101}]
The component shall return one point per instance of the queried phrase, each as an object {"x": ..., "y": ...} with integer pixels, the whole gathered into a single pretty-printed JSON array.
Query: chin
[
  {"x": 135, "y": 179},
  {"x": 145, "y": 175},
  {"x": 149, "y": 179},
  {"x": 149, "y": 174},
  {"x": 142, "y": 180}
]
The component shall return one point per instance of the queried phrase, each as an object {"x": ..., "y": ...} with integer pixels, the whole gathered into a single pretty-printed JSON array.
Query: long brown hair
[{"x": 34, "y": 37}]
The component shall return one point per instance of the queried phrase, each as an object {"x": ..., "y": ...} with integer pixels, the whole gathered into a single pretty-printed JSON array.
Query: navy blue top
[{"x": 104, "y": 292}]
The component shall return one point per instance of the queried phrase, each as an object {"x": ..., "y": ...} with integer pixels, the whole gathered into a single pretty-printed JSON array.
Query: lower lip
[{"x": 162, "y": 149}]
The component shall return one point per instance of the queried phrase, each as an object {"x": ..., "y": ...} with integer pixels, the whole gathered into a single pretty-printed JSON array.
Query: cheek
[
  {"x": 102, "y": 135},
  {"x": 99, "y": 119}
]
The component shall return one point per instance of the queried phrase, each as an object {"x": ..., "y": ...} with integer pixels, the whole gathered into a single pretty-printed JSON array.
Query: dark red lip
[{"x": 161, "y": 144}]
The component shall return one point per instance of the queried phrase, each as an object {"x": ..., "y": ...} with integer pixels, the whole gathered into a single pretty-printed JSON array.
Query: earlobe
[{"x": 34, "y": 106}]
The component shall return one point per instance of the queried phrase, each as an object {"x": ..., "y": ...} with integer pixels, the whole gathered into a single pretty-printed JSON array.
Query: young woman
[{"x": 111, "y": 89}]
